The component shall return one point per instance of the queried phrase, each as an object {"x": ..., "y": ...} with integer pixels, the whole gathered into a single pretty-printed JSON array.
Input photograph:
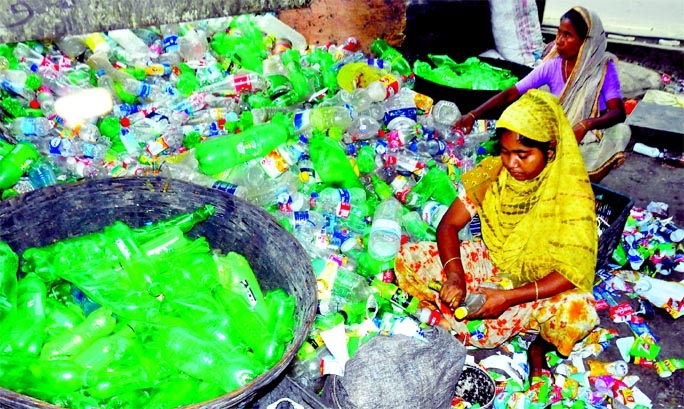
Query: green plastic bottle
[
  {"x": 221, "y": 153},
  {"x": 381, "y": 49},
  {"x": 9, "y": 266},
  {"x": 15, "y": 160},
  {"x": 197, "y": 357},
  {"x": 399, "y": 298},
  {"x": 24, "y": 331},
  {"x": 331, "y": 162},
  {"x": 98, "y": 324}
]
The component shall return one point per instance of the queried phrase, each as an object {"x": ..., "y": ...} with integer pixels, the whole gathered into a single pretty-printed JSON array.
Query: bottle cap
[{"x": 460, "y": 313}]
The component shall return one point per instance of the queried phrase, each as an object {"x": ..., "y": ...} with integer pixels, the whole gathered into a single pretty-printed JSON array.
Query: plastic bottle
[
  {"x": 385, "y": 235},
  {"x": 400, "y": 110},
  {"x": 221, "y": 153},
  {"x": 417, "y": 228},
  {"x": 15, "y": 160},
  {"x": 646, "y": 150},
  {"x": 399, "y": 298},
  {"x": 323, "y": 118},
  {"x": 662, "y": 156},
  {"x": 238, "y": 83},
  {"x": 433, "y": 212},
  {"x": 428, "y": 316},
  {"x": 60, "y": 318},
  {"x": 271, "y": 25},
  {"x": 31, "y": 126},
  {"x": 363, "y": 127},
  {"x": 331, "y": 162},
  {"x": 192, "y": 45},
  {"x": 170, "y": 38},
  {"x": 41, "y": 173},
  {"x": 473, "y": 301},
  {"x": 9, "y": 266},
  {"x": 381, "y": 49},
  {"x": 24, "y": 332},
  {"x": 429, "y": 148},
  {"x": 98, "y": 324},
  {"x": 340, "y": 201},
  {"x": 181, "y": 171},
  {"x": 71, "y": 45},
  {"x": 135, "y": 47},
  {"x": 445, "y": 112}
]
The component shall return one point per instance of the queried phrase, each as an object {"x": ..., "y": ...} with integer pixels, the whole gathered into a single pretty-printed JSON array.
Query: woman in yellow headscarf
[{"x": 538, "y": 222}]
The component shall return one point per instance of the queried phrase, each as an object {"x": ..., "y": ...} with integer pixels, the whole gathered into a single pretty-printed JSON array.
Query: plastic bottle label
[
  {"x": 386, "y": 226},
  {"x": 401, "y": 298},
  {"x": 28, "y": 127},
  {"x": 242, "y": 83},
  {"x": 302, "y": 120},
  {"x": 170, "y": 43},
  {"x": 409, "y": 113},
  {"x": 225, "y": 187},
  {"x": 390, "y": 83},
  {"x": 274, "y": 164},
  {"x": 54, "y": 146},
  {"x": 249, "y": 294},
  {"x": 144, "y": 90},
  {"x": 433, "y": 212}
]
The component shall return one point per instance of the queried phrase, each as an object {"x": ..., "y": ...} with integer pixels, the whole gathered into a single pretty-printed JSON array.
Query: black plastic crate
[{"x": 612, "y": 208}]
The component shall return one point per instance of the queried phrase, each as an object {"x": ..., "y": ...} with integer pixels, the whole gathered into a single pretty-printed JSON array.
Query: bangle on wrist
[
  {"x": 449, "y": 261},
  {"x": 471, "y": 114},
  {"x": 536, "y": 291},
  {"x": 581, "y": 123}
]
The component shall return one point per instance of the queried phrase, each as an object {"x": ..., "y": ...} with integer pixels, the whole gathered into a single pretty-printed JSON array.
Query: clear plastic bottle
[
  {"x": 445, "y": 112},
  {"x": 192, "y": 45},
  {"x": 72, "y": 45},
  {"x": 186, "y": 172},
  {"x": 385, "y": 235},
  {"x": 271, "y": 25},
  {"x": 400, "y": 109},
  {"x": 135, "y": 47},
  {"x": 340, "y": 201},
  {"x": 363, "y": 127},
  {"x": 238, "y": 83},
  {"x": 31, "y": 126},
  {"x": 41, "y": 174},
  {"x": 323, "y": 118}
]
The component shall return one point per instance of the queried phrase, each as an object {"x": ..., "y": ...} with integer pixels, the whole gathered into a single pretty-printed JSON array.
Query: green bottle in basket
[
  {"x": 195, "y": 356},
  {"x": 98, "y": 324},
  {"x": 224, "y": 152},
  {"x": 60, "y": 318},
  {"x": 9, "y": 265},
  {"x": 185, "y": 222},
  {"x": 47, "y": 379},
  {"x": 178, "y": 391},
  {"x": 23, "y": 331}
]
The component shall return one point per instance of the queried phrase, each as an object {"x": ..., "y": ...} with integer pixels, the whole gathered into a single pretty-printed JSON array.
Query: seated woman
[
  {"x": 580, "y": 72},
  {"x": 538, "y": 222}
]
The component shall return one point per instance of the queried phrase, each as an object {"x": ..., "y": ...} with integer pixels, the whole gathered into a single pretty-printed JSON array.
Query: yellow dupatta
[{"x": 547, "y": 224}]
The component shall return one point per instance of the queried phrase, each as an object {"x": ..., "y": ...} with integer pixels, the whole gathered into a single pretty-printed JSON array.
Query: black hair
[
  {"x": 524, "y": 141},
  {"x": 578, "y": 23}
]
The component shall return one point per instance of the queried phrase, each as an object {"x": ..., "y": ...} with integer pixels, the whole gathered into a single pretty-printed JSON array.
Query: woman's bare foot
[{"x": 536, "y": 356}]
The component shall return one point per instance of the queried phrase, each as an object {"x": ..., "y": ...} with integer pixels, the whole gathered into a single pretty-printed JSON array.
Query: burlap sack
[{"x": 399, "y": 371}]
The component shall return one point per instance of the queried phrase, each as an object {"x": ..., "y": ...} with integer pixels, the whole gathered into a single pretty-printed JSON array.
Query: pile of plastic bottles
[
  {"x": 334, "y": 143},
  {"x": 142, "y": 317}
]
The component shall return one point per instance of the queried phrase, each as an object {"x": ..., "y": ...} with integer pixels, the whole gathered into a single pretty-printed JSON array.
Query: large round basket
[{"x": 54, "y": 213}]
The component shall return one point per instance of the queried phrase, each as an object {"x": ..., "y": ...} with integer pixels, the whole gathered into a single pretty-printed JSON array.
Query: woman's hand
[
  {"x": 496, "y": 302},
  {"x": 465, "y": 124},
  {"x": 580, "y": 129},
  {"x": 453, "y": 291}
]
